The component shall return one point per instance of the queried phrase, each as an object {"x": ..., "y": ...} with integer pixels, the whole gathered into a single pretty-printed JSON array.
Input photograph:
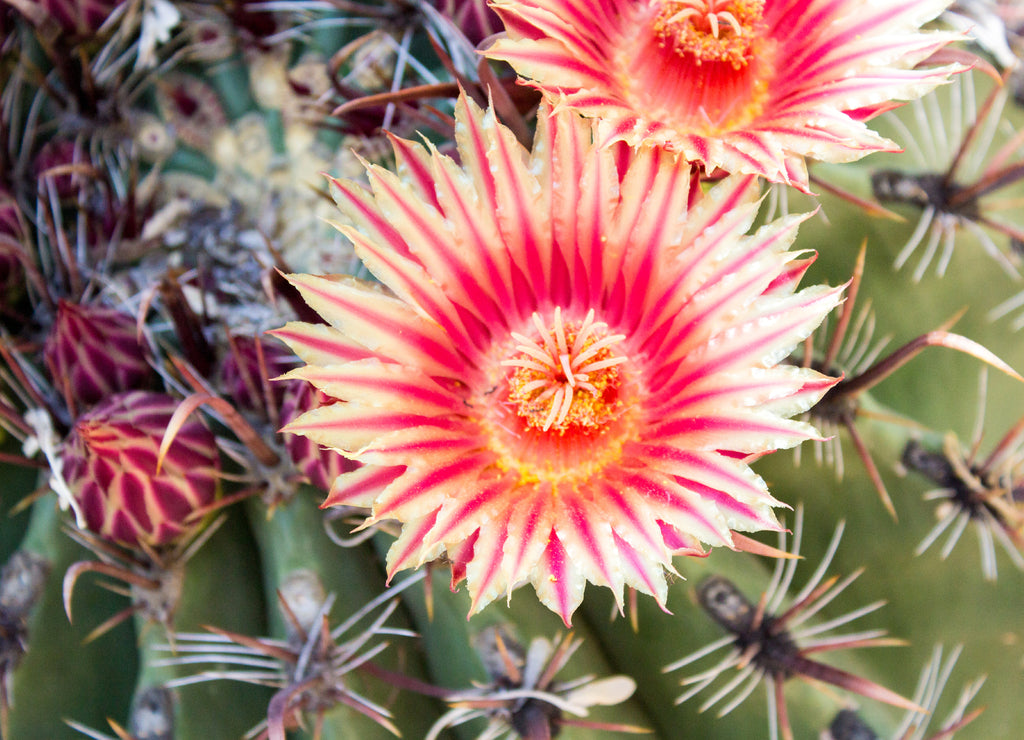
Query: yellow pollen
[
  {"x": 710, "y": 30},
  {"x": 567, "y": 378}
]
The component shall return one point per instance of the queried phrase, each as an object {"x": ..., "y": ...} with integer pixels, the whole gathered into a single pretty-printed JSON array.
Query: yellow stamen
[
  {"x": 567, "y": 377},
  {"x": 710, "y": 30}
]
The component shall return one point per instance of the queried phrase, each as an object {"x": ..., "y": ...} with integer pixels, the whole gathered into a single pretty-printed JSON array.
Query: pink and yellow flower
[
  {"x": 567, "y": 365},
  {"x": 751, "y": 86}
]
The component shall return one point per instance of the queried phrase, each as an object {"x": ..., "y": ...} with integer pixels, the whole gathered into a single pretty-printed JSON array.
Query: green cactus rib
[
  {"x": 293, "y": 540},
  {"x": 13, "y": 526},
  {"x": 448, "y": 635},
  {"x": 663, "y": 638},
  {"x": 221, "y": 587},
  {"x": 57, "y": 677},
  {"x": 230, "y": 79}
]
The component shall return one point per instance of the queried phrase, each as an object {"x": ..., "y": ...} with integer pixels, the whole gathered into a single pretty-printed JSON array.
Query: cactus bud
[
  {"x": 79, "y": 17},
  {"x": 96, "y": 352},
  {"x": 12, "y": 269},
  {"x": 110, "y": 463},
  {"x": 10, "y": 220},
  {"x": 53, "y": 163},
  {"x": 242, "y": 377},
  {"x": 318, "y": 465},
  {"x": 473, "y": 17}
]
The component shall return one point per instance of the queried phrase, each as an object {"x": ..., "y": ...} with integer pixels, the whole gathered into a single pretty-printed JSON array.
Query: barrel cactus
[{"x": 477, "y": 369}]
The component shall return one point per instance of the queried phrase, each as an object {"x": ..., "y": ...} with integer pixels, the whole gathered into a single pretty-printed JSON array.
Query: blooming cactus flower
[
  {"x": 95, "y": 350},
  {"x": 572, "y": 366},
  {"x": 110, "y": 465},
  {"x": 745, "y": 85}
]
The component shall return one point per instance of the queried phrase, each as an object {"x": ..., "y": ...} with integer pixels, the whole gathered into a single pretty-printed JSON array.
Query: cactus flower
[
  {"x": 95, "y": 351},
  {"x": 559, "y": 391},
  {"x": 110, "y": 464},
  {"x": 749, "y": 86}
]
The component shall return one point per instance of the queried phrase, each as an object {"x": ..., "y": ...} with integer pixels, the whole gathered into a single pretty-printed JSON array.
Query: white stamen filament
[
  {"x": 543, "y": 331},
  {"x": 567, "y": 367},
  {"x": 584, "y": 333},
  {"x": 683, "y": 15},
  {"x": 714, "y": 17},
  {"x": 731, "y": 20},
  {"x": 534, "y": 385},
  {"x": 563, "y": 347},
  {"x": 570, "y": 375},
  {"x": 601, "y": 365},
  {"x": 598, "y": 346},
  {"x": 529, "y": 365}
]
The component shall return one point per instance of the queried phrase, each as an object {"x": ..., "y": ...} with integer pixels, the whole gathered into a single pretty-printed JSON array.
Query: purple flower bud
[
  {"x": 79, "y": 17},
  {"x": 110, "y": 464},
  {"x": 95, "y": 351},
  {"x": 12, "y": 269},
  {"x": 242, "y": 379},
  {"x": 53, "y": 161},
  {"x": 473, "y": 17},
  {"x": 10, "y": 223},
  {"x": 319, "y": 465}
]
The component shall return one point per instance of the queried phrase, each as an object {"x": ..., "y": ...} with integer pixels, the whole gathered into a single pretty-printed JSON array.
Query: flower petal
[
  {"x": 578, "y": 353},
  {"x": 790, "y": 85}
]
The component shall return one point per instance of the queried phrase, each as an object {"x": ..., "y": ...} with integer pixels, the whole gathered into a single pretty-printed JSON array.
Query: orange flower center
[
  {"x": 701, "y": 67},
  {"x": 710, "y": 30},
  {"x": 567, "y": 378}
]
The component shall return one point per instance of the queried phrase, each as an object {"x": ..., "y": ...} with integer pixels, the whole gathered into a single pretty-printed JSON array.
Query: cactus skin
[
  {"x": 57, "y": 675},
  {"x": 212, "y": 594},
  {"x": 293, "y": 542}
]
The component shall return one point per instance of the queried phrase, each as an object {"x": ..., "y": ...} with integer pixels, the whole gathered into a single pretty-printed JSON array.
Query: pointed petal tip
[{"x": 742, "y": 543}]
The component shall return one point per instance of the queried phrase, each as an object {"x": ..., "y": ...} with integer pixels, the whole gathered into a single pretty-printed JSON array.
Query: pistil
[
  {"x": 710, "y": 30},
  {"x": 567, "y": 376}
]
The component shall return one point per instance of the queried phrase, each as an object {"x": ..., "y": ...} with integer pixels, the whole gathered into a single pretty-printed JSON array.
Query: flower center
[
  {"x": 567, "y": 378},
  {"x": 710, "y": 30}
]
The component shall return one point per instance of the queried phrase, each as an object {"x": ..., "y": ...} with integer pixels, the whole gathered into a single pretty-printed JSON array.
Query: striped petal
[
  {"x": 589, "y": 542},
  {"x": 360, "y": 487},
  {"x": 374, "y": 383},
  {"x": 572, "y": 354},
  {"x": 757, "y": 91},
  {"x": 378, "y": 322},
  {"x": 559, "y": 581}
]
